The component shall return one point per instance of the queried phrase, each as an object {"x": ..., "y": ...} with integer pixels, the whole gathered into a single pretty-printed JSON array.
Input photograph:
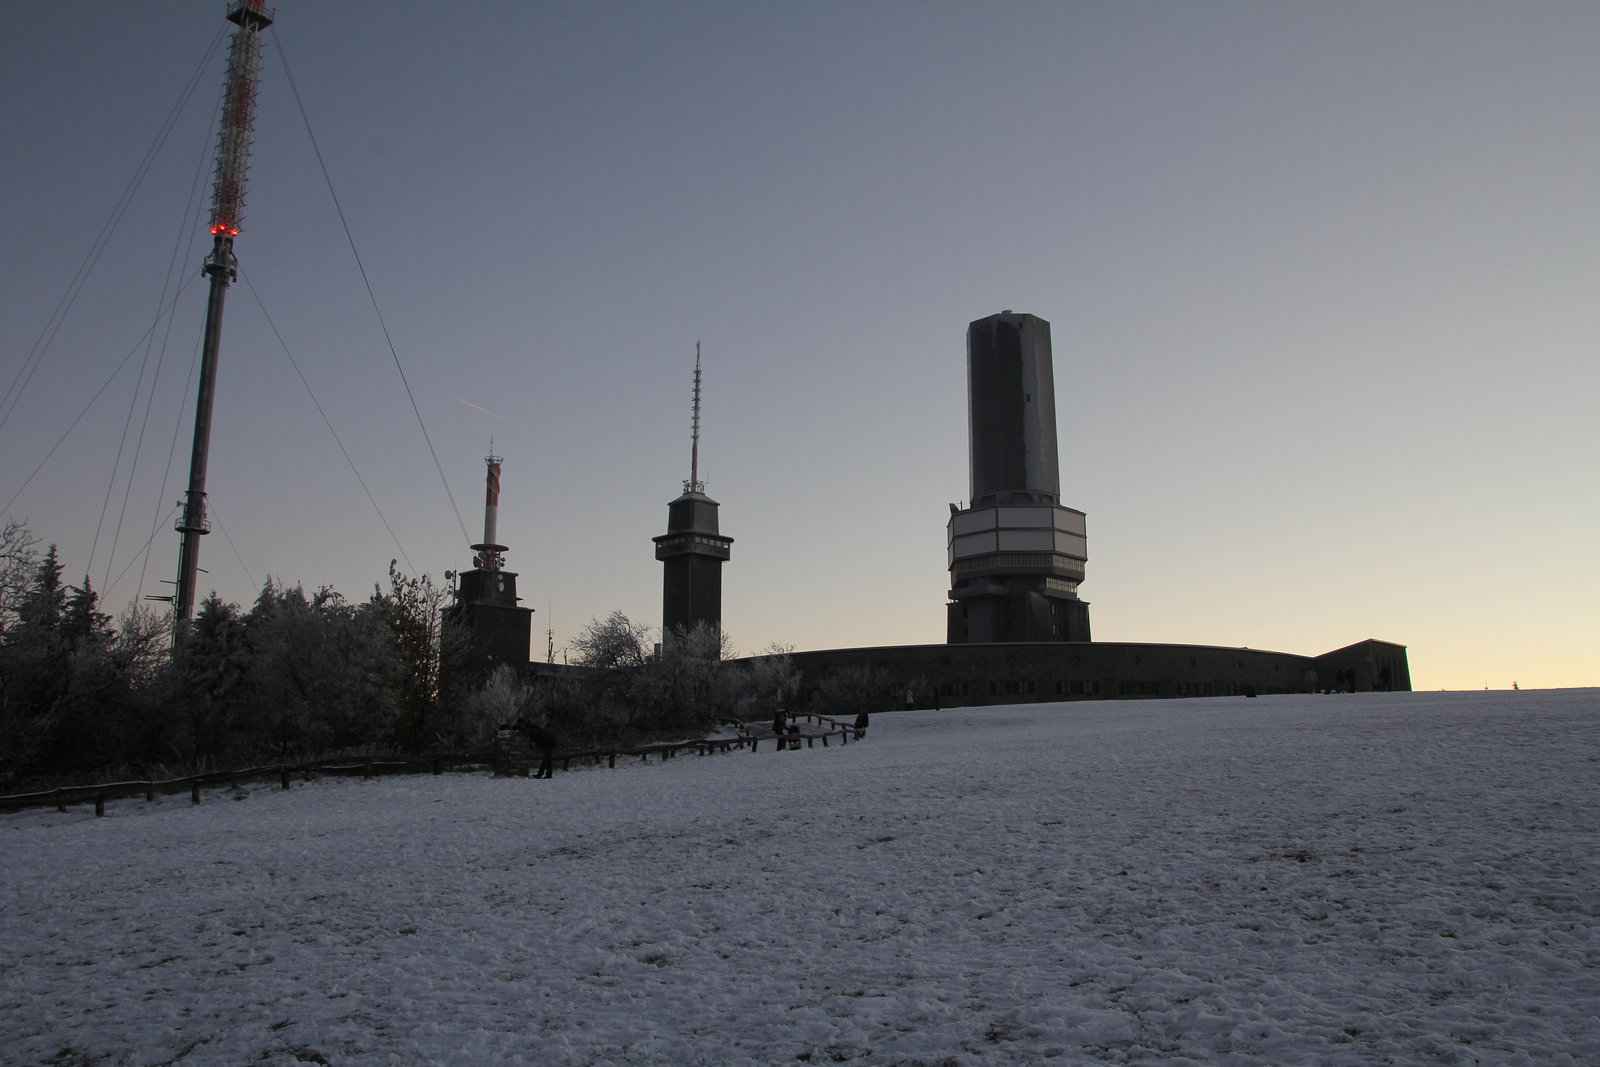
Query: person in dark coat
[
  {"x": 780, "y": 726},
  {"x": 861, "y": 724},
  {"x": 546, "y": 742}
]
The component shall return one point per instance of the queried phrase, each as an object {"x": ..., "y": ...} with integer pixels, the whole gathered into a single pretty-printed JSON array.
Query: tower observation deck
[{"x": 1016, "y": 554}]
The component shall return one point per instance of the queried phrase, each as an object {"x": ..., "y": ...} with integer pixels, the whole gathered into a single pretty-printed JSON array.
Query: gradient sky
[{"x": 1324, "y": 281}]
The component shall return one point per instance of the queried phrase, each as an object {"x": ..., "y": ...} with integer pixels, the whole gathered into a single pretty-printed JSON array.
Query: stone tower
[{"x": 693, "y": 550}]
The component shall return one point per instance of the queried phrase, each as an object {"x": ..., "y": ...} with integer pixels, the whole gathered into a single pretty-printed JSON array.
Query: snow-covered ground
[{"x": 1407, "y": 878}]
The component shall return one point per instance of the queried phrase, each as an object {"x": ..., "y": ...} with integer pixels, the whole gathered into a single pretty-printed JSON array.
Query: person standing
[{"x": 546, "y": 742}]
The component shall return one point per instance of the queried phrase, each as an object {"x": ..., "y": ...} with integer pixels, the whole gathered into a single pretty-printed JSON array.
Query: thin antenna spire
[{"x": 694, "y": 484}]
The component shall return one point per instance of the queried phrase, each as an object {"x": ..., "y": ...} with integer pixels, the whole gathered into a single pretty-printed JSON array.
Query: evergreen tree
[
  {"x": 63, "y": 696},
  {"x": 206, "y": 683},
  {"x": 321, "y": 675},
  {"x": 33, "y": 670}
]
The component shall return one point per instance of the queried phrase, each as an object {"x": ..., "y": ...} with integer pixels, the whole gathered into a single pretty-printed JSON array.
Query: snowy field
[{"x": 1404, "y": 879}]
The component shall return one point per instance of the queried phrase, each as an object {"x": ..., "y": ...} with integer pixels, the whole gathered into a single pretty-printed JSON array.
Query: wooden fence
[
  {"x": 367, "y": 766},
  {"x": 435, "y": 763}
]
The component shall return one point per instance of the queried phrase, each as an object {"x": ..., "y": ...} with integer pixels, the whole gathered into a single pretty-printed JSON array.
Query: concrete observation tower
[
  {"x": 1016, "y": 554},
  {"x": 693, "y": 550}
]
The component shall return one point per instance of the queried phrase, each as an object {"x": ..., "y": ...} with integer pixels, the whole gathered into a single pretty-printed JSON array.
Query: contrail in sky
[{"x": 486, "y": 411}]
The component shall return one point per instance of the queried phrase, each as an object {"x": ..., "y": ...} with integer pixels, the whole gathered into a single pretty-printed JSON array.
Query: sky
[{"x": 1321, "y": 279}]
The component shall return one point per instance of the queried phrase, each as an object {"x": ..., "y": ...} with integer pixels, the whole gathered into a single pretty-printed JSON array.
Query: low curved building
[{"x": 935, "y": 676}]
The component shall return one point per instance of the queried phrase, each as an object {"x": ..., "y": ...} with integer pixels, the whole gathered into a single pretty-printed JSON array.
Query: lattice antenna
[
  {"x": 694, "y": 484},
  {"x": 238, "y": 115}
]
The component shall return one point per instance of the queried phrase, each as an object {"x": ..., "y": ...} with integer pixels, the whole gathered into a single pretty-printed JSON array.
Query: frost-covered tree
[
  {"x": 19, "y": 561},
  {"x": 678, "y": 685},
  {"x": 766, "y": 683},
  {"x": 34, "y": 668},
  {"x": 689, "y": 685},
  {"x": 616, "y": 651},
  {"x": 64, "y": 696},
  {"x": 148, "y": 732},
  {"x": 614, "y": 644},
  {"x": 851, "y": 690},
  {"x": 205, "y": 683},
  {"x": 411, "y": 609},
  {"x": 322, "y": 674},
  {"x": 501, "y": 698}
]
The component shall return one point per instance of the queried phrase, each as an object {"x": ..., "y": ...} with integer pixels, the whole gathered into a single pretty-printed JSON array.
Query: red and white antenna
[
  {"x": 694, "y": 484},
  {"x": 227, "y": 212},
  {"x": 490, "y": 554}
]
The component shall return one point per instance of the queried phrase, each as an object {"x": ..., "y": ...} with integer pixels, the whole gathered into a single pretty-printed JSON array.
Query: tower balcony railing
[{"x": 187, "y": 523}]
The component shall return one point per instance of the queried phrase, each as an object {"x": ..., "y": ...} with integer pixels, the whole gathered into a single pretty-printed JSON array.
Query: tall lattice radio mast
[{"x": 227, "y": 212}]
